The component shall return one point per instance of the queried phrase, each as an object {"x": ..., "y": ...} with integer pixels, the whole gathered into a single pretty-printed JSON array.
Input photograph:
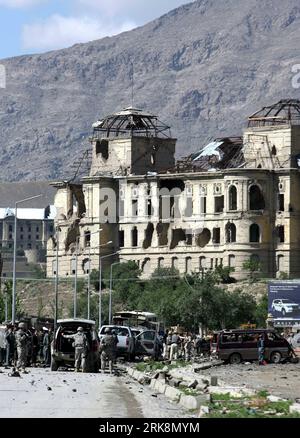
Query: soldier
[
  {"x": 10, "y": 345},
  {"x": 21, "y": 342},
  {"x": 108, "y": 348},
  {"x": 81, "y": 348}
]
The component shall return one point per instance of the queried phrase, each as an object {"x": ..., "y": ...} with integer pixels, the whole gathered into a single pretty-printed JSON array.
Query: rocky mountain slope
[{"x": 203, "y": 68}]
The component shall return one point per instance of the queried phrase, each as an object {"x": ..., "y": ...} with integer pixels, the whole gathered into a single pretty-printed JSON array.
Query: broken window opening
[
  {"x": 170, "y": 192},
  {"x": 216, "y": 235},
  {"x": 202, "y": 262},
  {"x": 203, "y": 238},
  {"x": 178, "y": 235},
  {"x": 102, "y": 148},
  {"x": 174, "y": 262},
  {"x": 148, "y": 236},
  {"x": 203, "y": 205},
  {"x": 162, "y": 233},
  {"x": 149, "y": 207},
  {"x": 230, "y": 233},
  {"x": 231, "y": 261},
  {"x": 146, "y": 265},
  {"x": 188, "y": 265},
  {"x": 86, "y": 266},
  {"x": 219, "y": 204},
  {"x": 189, "y": 239},
  {"x": 280, "y": 233},
  {"x": 134, "y": 207},
  {"x": 280, "y": 202},
  {"x": 161, "y": 261},
  {"x": 256, "y": 198},
  {"x": 232, "y": 198},
  {"x": 134, "y": 237},
  {"x": 87, "y": 238},
  {"x": 254, "y": 233},
  {"x": 121, "y": 238}
]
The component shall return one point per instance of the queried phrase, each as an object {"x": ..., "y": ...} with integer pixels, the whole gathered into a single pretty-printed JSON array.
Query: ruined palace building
[{"x": 235, "y": 199}]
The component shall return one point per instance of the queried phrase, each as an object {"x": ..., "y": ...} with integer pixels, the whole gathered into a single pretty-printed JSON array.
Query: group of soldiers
[
  {"x": 108, "y": 349},
  {"x": 184, "y": 346},
  {"x": 23, "y": 347}
]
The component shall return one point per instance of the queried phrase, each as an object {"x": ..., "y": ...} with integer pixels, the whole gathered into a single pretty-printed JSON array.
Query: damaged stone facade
[{"x": 236, "y": 199}]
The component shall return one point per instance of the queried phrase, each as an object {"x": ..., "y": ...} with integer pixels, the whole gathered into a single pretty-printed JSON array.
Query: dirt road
[
  {"x": 281, "y": 380},
  {"x": 44, "y": 394}
]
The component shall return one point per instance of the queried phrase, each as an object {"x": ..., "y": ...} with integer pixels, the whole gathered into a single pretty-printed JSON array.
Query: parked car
[
  {"x": 234, "y": 346},
  {"x": 125, "y": 346},
  {"x": 62, "y": 350},
  {"x": 284, "y": 306}
]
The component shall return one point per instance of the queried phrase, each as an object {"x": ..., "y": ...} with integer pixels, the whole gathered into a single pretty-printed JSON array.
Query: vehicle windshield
[
  {"x": 120, "y": 331},
  {"x": 287, "y": 301}
]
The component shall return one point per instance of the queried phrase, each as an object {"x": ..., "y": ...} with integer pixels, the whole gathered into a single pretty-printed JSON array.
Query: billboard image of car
[{"x": 284, "y": 302}]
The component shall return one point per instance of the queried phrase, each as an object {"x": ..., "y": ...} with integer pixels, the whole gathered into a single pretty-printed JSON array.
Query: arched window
[
  {"x": 161, "y": 262},
  {"x": 202, "y": 262},
  {"x": 232, "y": 198},
  {"x": 134, "y": 237},
  {"x": 231, "y": 260},
  {"x": 230, "y": 233},
  {"x": 174, "y": 262},
  {"x": 188, "y": 264},
  {"x": 254, "y": 234},
  {"x": 256, "y": 198}
]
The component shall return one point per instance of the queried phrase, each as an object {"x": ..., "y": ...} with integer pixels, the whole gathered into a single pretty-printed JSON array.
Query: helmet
[
  {"x": 22, "y": 325},
  {"x": 107, "y": 330},
  {"x": 80, "y": 329}
]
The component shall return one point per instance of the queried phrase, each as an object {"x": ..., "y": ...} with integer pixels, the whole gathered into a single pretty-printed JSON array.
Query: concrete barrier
[
  {"x": 160, "y": 387},
  {"x": 173, "y": 393},
  {"x": 235, "y": 392},
  {"x": 193, "y": 401}
]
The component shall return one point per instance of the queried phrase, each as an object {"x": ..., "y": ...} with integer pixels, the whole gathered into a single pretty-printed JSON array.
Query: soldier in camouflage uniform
[
  {"x": 81, "y": 348},
  {"x": 108, "y": 348},
  {"x": 21, "y": 343}
]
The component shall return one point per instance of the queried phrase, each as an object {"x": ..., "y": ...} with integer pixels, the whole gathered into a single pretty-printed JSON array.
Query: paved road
[{"x": 96, "y": 396}]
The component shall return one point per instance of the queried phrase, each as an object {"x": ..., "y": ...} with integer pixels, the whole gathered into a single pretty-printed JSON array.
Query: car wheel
[
  {"x": 235, "y": 358},
  {"x": 54, "y": 365},
  {"x": 275, "y": 357}
]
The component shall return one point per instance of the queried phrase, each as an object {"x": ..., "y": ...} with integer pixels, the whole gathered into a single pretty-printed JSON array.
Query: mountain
[{"x": 203, "y": 68}]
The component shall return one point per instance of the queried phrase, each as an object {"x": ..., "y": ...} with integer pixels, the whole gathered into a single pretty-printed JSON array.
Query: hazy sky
[{"x": 29, "y": 26}]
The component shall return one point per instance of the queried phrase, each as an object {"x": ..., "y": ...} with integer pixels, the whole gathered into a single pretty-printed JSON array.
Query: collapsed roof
[
  {"x": 131, "y": 122},
  {"x": 222, "y": 153},
  {"x": 286, "y": 111}
]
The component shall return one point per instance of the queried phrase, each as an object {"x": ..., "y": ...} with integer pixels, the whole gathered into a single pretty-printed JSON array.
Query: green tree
[
  {"x": 253, "y": 266},
  {"x": 261, "y": 312}
]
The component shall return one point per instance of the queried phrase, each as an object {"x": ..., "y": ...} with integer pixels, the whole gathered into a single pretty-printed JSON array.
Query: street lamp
[
  {"x": 110, "y": 291},
  {"x": 100, "y": 285},
  {"x": 13, "y": 311},
  {"x": 57, "y": 230}
]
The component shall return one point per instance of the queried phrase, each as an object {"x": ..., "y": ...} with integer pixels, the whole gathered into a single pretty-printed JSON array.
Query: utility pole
[
  {"x": 14, "y": 293},
  {"x": 75, "y": 279},
  {"x": 56, "y": 280}
]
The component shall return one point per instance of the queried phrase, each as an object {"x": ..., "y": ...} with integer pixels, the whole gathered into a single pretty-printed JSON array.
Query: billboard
[{"x": 284, "y": 302}]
